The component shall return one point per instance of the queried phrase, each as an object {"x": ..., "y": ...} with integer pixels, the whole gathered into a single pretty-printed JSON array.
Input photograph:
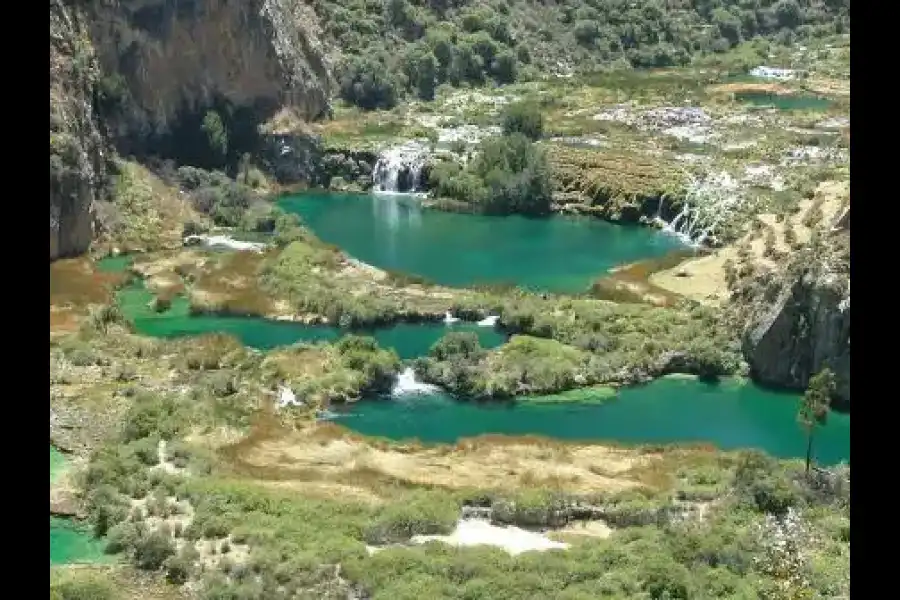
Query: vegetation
[
  {"x": 241, "y": 535},
  {"x": 508, "y": 175},
  {"x": 84, "y": 587},
  {"x": 586, "y": 345},
  {"x": 194, "y": 475},
  {"x": 145, "y": 212},
  {"x": 524, "y": 118},
  {"x": 413, "y": 46},
  {"x": 227, "y": 202},
  {"x": 616, "y": 185},
  {"x": 814, "y": 407}
]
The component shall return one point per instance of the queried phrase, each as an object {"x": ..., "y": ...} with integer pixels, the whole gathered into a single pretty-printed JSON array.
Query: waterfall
[
  {"x": 407, "y": 384},
  {"x": 489, "y": 321},
  {"x": 399, "y": 168},
  {"x": 708, "y": 203}
]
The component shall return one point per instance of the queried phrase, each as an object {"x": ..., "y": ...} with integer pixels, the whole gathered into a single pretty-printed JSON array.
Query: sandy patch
[{"x": 703, "y": 279}]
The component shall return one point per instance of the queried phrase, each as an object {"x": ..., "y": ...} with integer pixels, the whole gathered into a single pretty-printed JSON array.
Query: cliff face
[
  {"x": 77, "y": 164},
  {"x": 807, "y": 328},
  {"x": 172, "y": 58},
  {"x": 145, "y": 72}
]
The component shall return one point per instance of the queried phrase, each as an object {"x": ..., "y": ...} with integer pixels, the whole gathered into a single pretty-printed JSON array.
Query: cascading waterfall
[
  {"x": 407, "y": 384},
  {"x": 399, "y": 169},
  {"x": 707, "y": 204}
]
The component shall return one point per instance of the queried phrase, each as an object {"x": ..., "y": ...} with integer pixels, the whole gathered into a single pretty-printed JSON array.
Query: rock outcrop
[
  {"x": 173, "y": 59},
  {"x": 806, "y": 329},
  {"x": 143, "y": 74},
  {"x": 77, "y": 163}
]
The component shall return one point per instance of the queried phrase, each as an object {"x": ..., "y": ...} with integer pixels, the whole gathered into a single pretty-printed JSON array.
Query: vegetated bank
[
  {"x": 310, "y": 282},
  {"x": 172, "y": 492}
]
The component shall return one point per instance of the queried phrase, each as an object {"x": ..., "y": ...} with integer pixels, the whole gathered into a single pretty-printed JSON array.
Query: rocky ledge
[{"x": 806, "y": 329}]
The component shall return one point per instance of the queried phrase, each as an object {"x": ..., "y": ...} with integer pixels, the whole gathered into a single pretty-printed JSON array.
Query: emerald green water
[
  {"x": 57, "y": 463},
  {"x": 69, "y": 541},
  {"x": 730, "y": 415},
  {"x": 409, "y": 340},
  {"x": 556, "y": 254},
  {"x": 114, "y": 264},
  {"x": 784, "y": 102},
  {"x": 72, "y": 543}
]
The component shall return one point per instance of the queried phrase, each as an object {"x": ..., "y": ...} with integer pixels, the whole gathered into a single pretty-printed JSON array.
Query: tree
[
  {"x": 814, "y": 407},
  {"x": 422, "y": 72},
  {"x": 216, "y": 135},
  {"x": 504, "y": 67}
]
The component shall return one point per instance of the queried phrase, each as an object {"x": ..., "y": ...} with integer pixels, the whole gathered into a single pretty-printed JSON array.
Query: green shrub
[
  {"x": 179, "y": 568},
  {"x": 86, "y": 586},
  {"x": 509, "y": 175},
  {"x": 152, "y": 550},
  {"x": 524, "y": 118}
]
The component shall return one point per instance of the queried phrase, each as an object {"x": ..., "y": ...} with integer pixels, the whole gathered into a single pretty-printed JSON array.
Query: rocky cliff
[
  {"x": 145, "y": 73},
  {"x": 168, "y": 61},
  {"x": 808, "y": 326},
  {"x": 77, "y": 164}
]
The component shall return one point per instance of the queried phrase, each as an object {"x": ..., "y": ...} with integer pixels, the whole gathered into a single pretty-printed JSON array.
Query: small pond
[{"x": 392, "y": 232}]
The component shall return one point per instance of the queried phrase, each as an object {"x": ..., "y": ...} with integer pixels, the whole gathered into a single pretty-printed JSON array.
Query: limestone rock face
[
  {"x": 77, "y": 163},
  {"x": 134, "y": 71},
  {"x": 806, "y": 329},
  {"x": 176, "y": 56}
]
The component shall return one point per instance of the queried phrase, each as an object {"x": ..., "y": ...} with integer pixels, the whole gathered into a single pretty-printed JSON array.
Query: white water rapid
[
  {"x": 399, "y": 169},
  {"x": 407, "y": 384},
  {"x": 449, "y": 319},
  {"x": 708, "y": 204},
  {"x": 490, "y": 321},
  {"x": 479, "y": 532}
]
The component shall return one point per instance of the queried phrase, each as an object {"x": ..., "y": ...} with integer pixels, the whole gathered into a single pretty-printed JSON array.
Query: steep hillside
[
  {"x": 167, "y": 64},
  {"x": 188, "y": 81},
  {"x": 807, "y": 327},
  {"x": 77, "y": 165},
  {"x": 396, "y": 46}
]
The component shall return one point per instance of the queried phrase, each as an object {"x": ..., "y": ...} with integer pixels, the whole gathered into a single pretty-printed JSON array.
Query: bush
[
  {"x": 509, "y": 175},
  {"x": 457, "y": 344},
  {"x": 180, "y": 568},
  {"x": 524, "y": 118},
  {"x": 152, "y": 550},
  {"x": 761, "y": 483},
  {"x": 82, "y": 587},
  {"x": 123, "y": 537},
  {"x": 421, "y": 515},
  {"x": 367, "y": 83}
]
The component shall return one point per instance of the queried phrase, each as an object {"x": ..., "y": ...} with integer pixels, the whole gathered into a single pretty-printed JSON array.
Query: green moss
[{"x": 597, "y": 394}]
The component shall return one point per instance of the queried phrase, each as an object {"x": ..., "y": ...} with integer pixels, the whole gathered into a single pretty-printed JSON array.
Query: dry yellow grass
[
  {"x": 612, "y": 177},
  {"x": 230, "y": 284},
  {"x": 75, "y": 286},
  {"x": 333, "y": 461}
]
